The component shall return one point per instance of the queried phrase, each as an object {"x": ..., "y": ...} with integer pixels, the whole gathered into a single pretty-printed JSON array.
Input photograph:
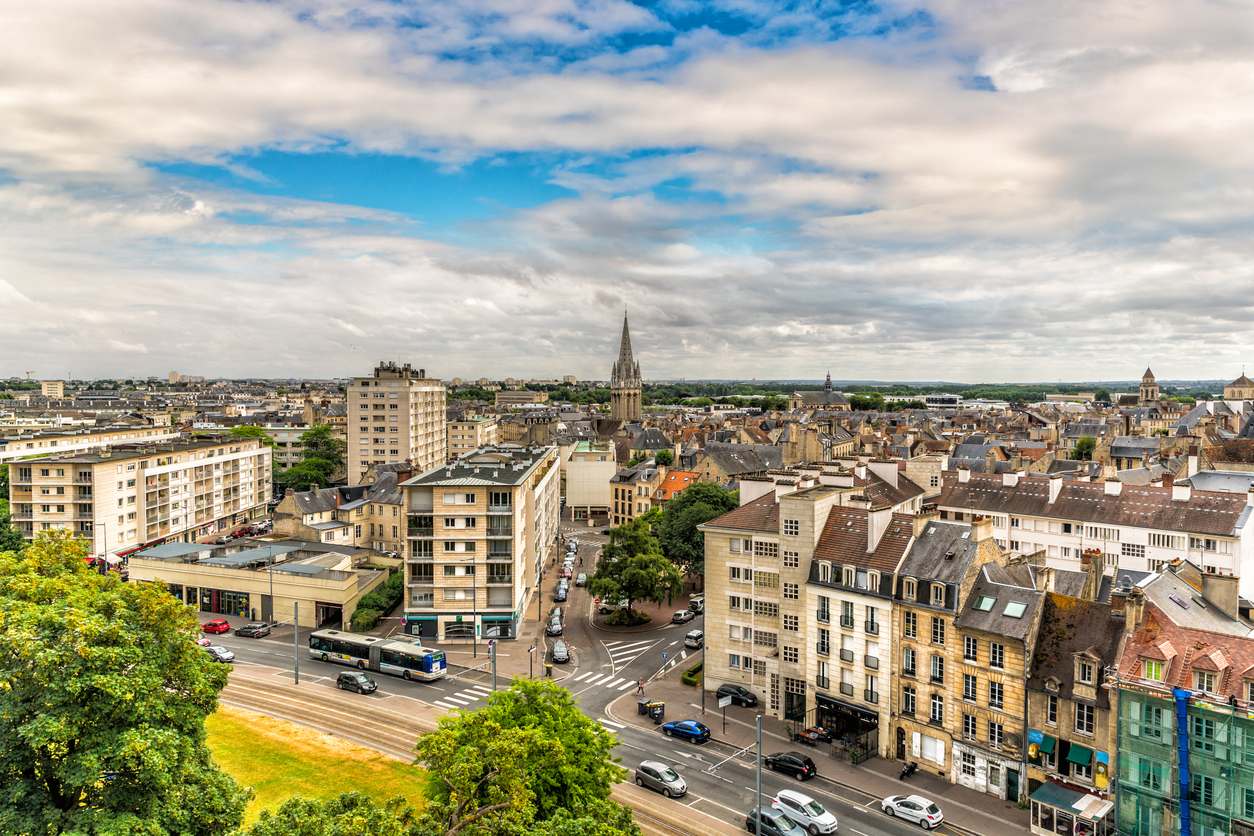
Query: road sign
[
  {"x": 723, "y": 702},
  {"x": 531, "y": 649}
]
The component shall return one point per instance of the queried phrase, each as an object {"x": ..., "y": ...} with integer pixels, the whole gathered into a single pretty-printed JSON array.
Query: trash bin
[
  {"x": 642, "y": 705},
  {"x": 657, "y": 710}
]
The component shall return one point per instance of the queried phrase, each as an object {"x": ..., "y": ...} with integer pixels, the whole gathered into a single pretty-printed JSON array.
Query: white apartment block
[
  {"x": 469, "y": 434},
  {"x": 123, "y": 498},
  {"x": 1142, "y": 528},
  {"x": 64, "y": 442},
  {"x": 395, "y": 415},
  {"x": 478, "y": 531}
]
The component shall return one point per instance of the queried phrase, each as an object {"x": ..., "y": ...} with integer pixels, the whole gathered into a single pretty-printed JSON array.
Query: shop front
[
  {"x": 852, "y": 728},
  {"x": 988, "y": 772},
  {"x": 422, "y": 626},
  {"x": 1059, "y": 811}
]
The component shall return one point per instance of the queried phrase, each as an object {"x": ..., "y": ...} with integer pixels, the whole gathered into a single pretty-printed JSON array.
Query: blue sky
[{"x": 947, "y": 189}]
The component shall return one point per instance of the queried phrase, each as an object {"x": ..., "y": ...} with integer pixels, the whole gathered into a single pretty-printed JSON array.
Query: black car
[
  {"x": 795, "y": 764},
  {"x": 561, "y": 653},
  {"x": 740, "y": 695},
  {"x": 356, "y": 681},
  {"x": 254, "y": 630}
]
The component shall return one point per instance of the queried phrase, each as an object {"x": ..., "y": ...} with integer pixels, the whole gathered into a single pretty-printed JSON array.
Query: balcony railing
[
  {"x": 872, "y": 627},
  {"x": 500, "y": 579},
  {"x": 871, "y": 696},
  {"x": 823, "y": 649},
  {"x": 500, "y": 530},
  {"x": 497, "y": 508},
  {"x": 846, "y": 621},
  {"x": 823, "y": 616},
  {"x": 846, "y": 655},
  {"x": 940, "y": 680},
  {"x": 823, "y": 682},
  {"x": 420, "y": 531},
  {"x": 872, "y": 662},
  {"x": 846, "y": 688}
]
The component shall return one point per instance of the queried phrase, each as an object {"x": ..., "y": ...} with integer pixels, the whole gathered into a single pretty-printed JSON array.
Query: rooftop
[{"x": 500, "y": 465}]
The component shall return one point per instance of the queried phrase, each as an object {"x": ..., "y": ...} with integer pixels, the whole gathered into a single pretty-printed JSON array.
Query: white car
[
  {"x": 805, "y": 811},
  {"x": 914, "y": 808}
]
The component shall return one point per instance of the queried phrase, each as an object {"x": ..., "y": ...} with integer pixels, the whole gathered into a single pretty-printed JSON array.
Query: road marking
[
  {"x": 616, "y": 682},
  {"x": 611, "y": 723},
  {"x": 626, "y": 685},
  {"x": 446, "y": 706},
  {"x": 683, "y": 654},
  {"x": 583, "y": 676},
  {"x": 456, "y": 700},
  {"x": 479, "y": 689},
  {"x": 672, "y": 644},
  {"x": 600, "y": 679}
]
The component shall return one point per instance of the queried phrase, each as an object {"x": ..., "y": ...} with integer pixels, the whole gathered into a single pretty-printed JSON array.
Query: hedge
[
  {"x": 385, "y": 596},
  {"x": 365, "y": 618},
  {"x": 693, "y": 675}
]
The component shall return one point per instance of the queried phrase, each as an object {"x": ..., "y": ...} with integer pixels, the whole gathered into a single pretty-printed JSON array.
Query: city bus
[{"x": 393, "y": 656}]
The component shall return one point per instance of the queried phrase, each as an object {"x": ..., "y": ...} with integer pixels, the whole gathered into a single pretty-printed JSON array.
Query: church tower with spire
[
  {"x": 625, "y": 386},
  {"x": 1149, "y": 388}
]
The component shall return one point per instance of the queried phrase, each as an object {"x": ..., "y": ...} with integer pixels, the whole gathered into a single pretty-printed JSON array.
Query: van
[{"x": 697, "y": 604}]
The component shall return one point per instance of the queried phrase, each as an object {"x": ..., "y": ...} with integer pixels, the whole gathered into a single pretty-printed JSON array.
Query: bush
[
  {"x": 626, "y": 618},
  {"x": 386, "y": 596},
  {"x": 692, "y": 676},
  {"x": 365, "y": 618}
]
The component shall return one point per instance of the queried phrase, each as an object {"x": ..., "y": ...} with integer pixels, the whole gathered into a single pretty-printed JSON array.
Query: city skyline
[{"x": 903, "y": 190}]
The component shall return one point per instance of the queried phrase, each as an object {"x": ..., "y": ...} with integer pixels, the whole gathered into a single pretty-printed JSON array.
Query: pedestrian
[{"x": 639, "y": 687}]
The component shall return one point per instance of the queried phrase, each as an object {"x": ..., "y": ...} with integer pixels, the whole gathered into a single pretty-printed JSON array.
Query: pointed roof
[
  {"x": 626, "y": 371},
  {"x": 1149, "y": 375},
  {"x": 624, "y": 345}
]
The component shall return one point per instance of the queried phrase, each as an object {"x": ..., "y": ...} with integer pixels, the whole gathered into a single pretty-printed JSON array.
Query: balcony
[
  {"x": 823, "y": 616},
  {"x": 910, "y": 672},
  {"x": 935, "y": 721},
  {"x": 498, "y": 578},
  {"x": 872, "y": 627},
  {"x": 846, "y": 655},
  {"x": 500, "y": 530},
  {"x": 872, "y": 662},
  {"x": 500, "y": 551},
  {"x": 936, "y": 680},
  {"x": 846, "y": 621},
  {"x": 497, "y": 508},
  {"x": 422, "y": 599},
  {"x": 822, "y": 683},
  {"x": 871, "y": 696},
  {"x": 846, "y": 688},
  {"x": 823, "y": 649}
]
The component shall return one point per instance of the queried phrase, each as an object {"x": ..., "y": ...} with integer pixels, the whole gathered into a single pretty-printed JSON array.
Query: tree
[
  {"x": 677, "y": 529},
  {"x": 646, "y": 576},
  {"x": 103, "y": 698},
  {"x": 664, "y": 458},
  {"x": 1102, "y": 396},
  {"x": 1084, "y": 448},
  {"x": 529, "y": 762},
  {"x": 320, "y": 442},
  {"x": 252, "y": 431},
  {"x": 634, "y": 537},
  {"x": 348, "y": 814}
]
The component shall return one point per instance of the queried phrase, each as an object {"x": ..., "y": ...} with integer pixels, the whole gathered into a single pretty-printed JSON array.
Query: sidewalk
[{"x": 966, "y": 809}]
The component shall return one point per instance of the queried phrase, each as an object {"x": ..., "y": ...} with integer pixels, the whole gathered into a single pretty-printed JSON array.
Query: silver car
[
  {"x": 914, "y": 808},
  {"x": 661, "y": 778},
  {"x": 805, "y": 811}
]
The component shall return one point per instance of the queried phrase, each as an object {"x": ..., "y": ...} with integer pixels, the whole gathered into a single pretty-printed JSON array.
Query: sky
[{"x": 965, "y": 190}]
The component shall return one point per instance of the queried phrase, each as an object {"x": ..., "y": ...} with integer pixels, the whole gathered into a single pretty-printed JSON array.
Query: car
[
  {"x": 555, "y": 623},
  {"x": 659, "y": 777},
  {"x": 561, "y": 652},
  {"x": 682, "y": 617},
  {"x": 687, "y": 730},
  {"x": 356, "y": 681},
  {"x": 216, "y": 626},
  {"x": 605, "y": 532},
  {"x": 581, "y": 579},
  {"x": 914, "y": 808},
  {"x": 772, "y": 823},
  {"x": 803, "y": 810},
  {"x": 559, "y": 595},
  {"x": 607, "y": 607},
  {"x": 740, "y": 694},
  {"x": 795, "y": 764},
  {"x": 253, "y": 630},
  {"x": 219, "y": 653},
  {"x": 572, "y": 544},
  {"x": 694, "y": 638},
  {"x": 697, "y": 604},
  {"x": 567, "y": 571},
  {"x": 204, "y": 641}
]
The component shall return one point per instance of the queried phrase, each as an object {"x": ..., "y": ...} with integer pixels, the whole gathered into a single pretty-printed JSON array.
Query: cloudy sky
[{"x": 957, "y": 189}]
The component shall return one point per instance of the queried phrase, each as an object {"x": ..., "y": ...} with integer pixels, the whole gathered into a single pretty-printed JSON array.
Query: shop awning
[
  {"x": 1079, "y": 755},
  {"x": 496, "y": 618}
]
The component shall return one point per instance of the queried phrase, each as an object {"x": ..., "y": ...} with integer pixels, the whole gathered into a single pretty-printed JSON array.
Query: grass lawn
[{"x": 280, "y": 759}]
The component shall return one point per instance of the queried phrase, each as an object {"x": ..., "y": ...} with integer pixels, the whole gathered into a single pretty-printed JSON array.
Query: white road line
[
  {"x": 612, "y": 684},
  {"x": 683, "y": 654},
  {"x": 672, "y": 644},
  {"x": 624, "y": 645},
  {"x": 611, "y": 723},
  {"x": 445, "y": 705},
  {"x": 626, "y": 685},
  {"x": 583, "y": 676},
  {"x": 459, "y": 702},
  {"x": 479, "y": 689},
  {"x": 601, "y": 679}
]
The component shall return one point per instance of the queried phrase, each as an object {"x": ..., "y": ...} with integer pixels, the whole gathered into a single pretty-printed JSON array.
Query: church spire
[
  {"x": 827, "y": 384},
  {"x": 625, "y": 384},
  {"x": 624, "y": 346}
]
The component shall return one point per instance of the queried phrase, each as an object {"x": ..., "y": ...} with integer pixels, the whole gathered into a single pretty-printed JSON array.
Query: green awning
[
  {"x": 1047, "y": 744},
  {"x": 1080, "y": 755}
]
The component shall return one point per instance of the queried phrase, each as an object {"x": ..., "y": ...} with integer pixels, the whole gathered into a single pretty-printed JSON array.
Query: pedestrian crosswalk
[
  {"x": 464, "y": 698},
  {"x": 604, "y": 680},
  {"x": 625, "y": 652}
]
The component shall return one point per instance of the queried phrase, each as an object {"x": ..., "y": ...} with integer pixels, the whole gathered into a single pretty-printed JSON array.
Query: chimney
[
  {"x": 288, "y": 492},
  {"x": 1192, "y": 471},
  {"x": 1010, "y": 479},
  {"x": 1169, "y": 479},
  {"x": 964, "y": 474},
  {"x": 981, "y": 529},
  {"x": 1093, "y": 564},
  {"x": 1113, "y": 487},
  {"x": 859, "y": 470},
  {"x": 1249, "y": 496},
  {"x": 1221, "y": 590},
  {"x": 1120, "y": 594},
  {"x": 876, "y": 524},
  {"x": 1055, "y": 487},
  {"x": 925, "y": 516},
  {"x": 1181, "y": 492},
  {"x": 886, "y": 470}
]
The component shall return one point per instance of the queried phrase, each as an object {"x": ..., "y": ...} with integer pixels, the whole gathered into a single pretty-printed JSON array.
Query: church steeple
[
  {"x": 827, "y": 384},
  {"x": 625, "y": 383}
]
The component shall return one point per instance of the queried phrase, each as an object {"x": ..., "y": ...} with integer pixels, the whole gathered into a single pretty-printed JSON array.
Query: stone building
[{"x": 625, "y": 382}]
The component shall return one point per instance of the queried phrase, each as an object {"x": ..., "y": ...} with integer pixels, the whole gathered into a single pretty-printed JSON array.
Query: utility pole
[
  {"x": 757, "y": 810},
  {"x": 296, "y": 642},
  {"x": 492, "y": 656}
]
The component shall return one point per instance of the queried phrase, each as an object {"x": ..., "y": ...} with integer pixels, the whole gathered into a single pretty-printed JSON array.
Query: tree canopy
[
  {"x": 348, "y": 814},
  {"x": 1084, "y": 447},
  {"x": 252, "y": 431},
  {"x": 103, "y": 697},
  {"x": 321, "y": 462},
  {"x": 677, "y": 529},
  {"x": 664, "y": 458},
  {"x": 633, "y": 567}
]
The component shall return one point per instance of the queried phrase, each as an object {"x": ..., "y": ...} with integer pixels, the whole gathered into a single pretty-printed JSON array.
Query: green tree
[
  {"x": 634, "y": 537},
  {"x": 1084, "y": 448},
  {"x": 103, "y": 698},
  {"x": 1102, "y": 396},
  {"x": 645, "y": 576},
  {"x": 321, "y": 443},
  {"x": 664, "y": 458},
  {"x": 252, "y": 431},
  {"x": 528, "y": 762},
  {"x": 348, "y": 814},
  {"x": 677, "y": 529}
]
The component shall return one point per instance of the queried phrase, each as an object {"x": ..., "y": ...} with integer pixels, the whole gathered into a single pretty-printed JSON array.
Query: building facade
[
  {"x": 631, "y": 491},
  {"x": 128, "y": 496},
  {"x": 396, "y": 415},
  {"x": 479, "y": 530},
  {"x": 64, "y": 442},
  {"x": 469, "y": 434},
  {"x": 625, "y": 381}
]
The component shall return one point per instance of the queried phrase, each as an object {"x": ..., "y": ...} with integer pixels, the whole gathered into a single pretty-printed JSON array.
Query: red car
[{"x": 217, "y": 625}]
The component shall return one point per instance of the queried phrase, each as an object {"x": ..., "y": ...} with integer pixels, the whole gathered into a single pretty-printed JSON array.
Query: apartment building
[
  {"x": 587, "y": 470},
  {"x": 1142, "y": 528},
  {"x": 395, "y": 415},
  {"x": 369, "y": 515},
  {"x": 129, "y": 496},
  {"x": 469, "y": 434},
  {"x": 52, "y": 388},
  {"x": 631, "y": 491},
  {"x": 478, "y": 531},
  {"x": 288, "y": 449},
  {"x": 510, "y": 398},
  {"x": 25, "y": 445}
]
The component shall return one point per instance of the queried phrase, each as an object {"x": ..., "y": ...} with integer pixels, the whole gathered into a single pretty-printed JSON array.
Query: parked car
[
  {"x": 572, "y": 545},
  {"x": 559, "y": 594},
  {"x": 694, "y": 638},
  {"x": 204, "y": 641},
  {"x": 357, "y": 681},
  {"x": 687, "y": 730},
  {"x": 697, "y": 603},
  {"x": 682, "y": 617},
  {"x": 795, "y": 764},
  {"x": 219, "y": 653},
  {"x": 581, "y": 579},
  {"x": 914, "y": 808},
  {"x": 659, "y": 777},
  {"x": 253, "y": 630},
  {"x": 561, "y": 652},
  {"x": 771, "y": 823},
  {"x": 565, "y": 571},
  {"x": 555, "y": 623},
  {"x": 812, "y": 816},
  {"x": 740, "y": 694},
  {"x": 216, "y": 626},
  {"x": 607, "y": 607}
]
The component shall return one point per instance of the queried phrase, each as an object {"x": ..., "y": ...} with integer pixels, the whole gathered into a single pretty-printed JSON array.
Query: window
[
  {"x": 1202, "y": 730},
  {"x": 1149, "y": 774},
  {"x": 909, "y": 589},
  {"x": 938, "y": 668},
  {"x": 910, "y": 625},
  {"x": 938, "y": 595},
  {"x": 792, "y": 528},
  {"x": 792, "y": 591},
  {"x": 907, "y": 699},
  {"x": 996, "y": 694},
  {"x": 1015, "y": 609},
  {"x": 996, "y": 655},
  {"x": 994, "y": 733},
  {"x": 846, "y": 613},
  {"x": 791, "y": 623},
  {"x": 908, "y": 661},
  {"x": 1132, "y": 550},
  {"x": 938, "y": 631},
  {"x": 792, "y": 560},
  {"x": 968, "y": 729},
  {"x": 1051, "y": 709},
  {"x": 824, "y": 611},
  {"x": 937, "y": 714},
  {"x": 825, "y": 571},
  {"x": 790, "y": 654},
  {"x": 1084, "y": 718},
  {"x": 968, "y": 759},
  {"x": 848, "y": 576},
  {"x": 970, "y": 649},
  {"x": 1084, "y": 671},
  {"x": 1204, "y": 681},
  {"x": 968, "y": 687},
  {"x": 1152, "y": 669},
  {"x": 1203, "y": 790}
]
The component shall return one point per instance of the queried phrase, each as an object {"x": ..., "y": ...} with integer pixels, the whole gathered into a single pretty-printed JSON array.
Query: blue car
[{"x": 687, "y": 729}]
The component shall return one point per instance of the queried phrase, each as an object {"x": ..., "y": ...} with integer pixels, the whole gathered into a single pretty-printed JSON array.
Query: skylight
[
  {"x": 1015, "y": 609},
  {"x": 985, "y": 603}
]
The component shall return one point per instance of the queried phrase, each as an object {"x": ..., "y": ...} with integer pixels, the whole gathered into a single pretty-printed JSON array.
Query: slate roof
[
  {"x": 1205, "y": 512},
  {"x": 735, "y": 459},
  {"x": 1133, "y": 447},
  {"x": 1181, "y": 648},
  {"x": 881, "y": 494},
  {"x": 844, "y": 540},
  {"x": 820, "y": 397},
  {"x": 1070, "y": 626},
  {"x": 762, "y": 514},
  {"x": 651, "y": 438},
  {"x": 1004, "y": 588},
  {"x": 1232, "y": 481},
  {"x": 927, "y": 557}
]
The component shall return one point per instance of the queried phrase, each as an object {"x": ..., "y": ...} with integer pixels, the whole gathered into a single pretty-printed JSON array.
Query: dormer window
[
  {"x": 1249, "y": 690},
  {"x": 938, "y": 595},
  {"x": 848, "y": 576},
  {"x": 1084, "y": 671},
  {"x": 873, "y": 581},
  {"x": 825, "y": 571},
  {"x": 1152, "y": 669},
  {"x": 909, "y": 589},
  {"x": 1204, "y": 681}
]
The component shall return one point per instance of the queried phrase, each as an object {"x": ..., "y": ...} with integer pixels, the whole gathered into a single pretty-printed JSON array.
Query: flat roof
[{"x": 136, "y": 450}]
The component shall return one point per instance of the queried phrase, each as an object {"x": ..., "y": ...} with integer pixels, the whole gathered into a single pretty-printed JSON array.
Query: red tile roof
[
  {"x": 675, "y": 482},
  {"x": 1158, "y": 637},
  {"x": 844, "y": 540}
]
